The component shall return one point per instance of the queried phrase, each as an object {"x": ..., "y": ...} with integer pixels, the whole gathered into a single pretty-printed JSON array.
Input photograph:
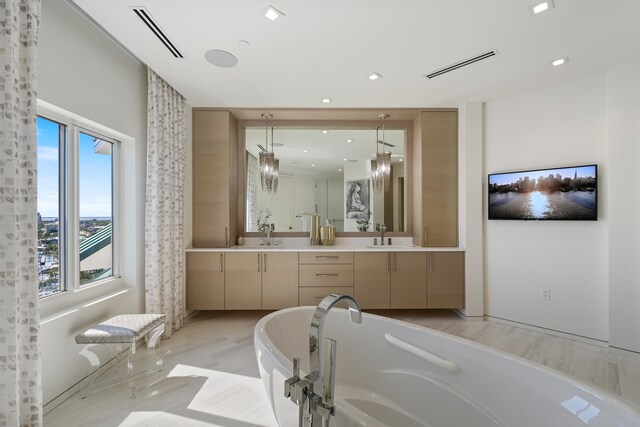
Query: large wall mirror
[{"x": 326, "y": 169}]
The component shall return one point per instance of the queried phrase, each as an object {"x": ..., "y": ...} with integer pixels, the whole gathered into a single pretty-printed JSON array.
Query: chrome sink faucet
[
  {"x": 316, "y": 408},
  {"x": 269, "y": 229},
  {"x": 381, "y": 228}
]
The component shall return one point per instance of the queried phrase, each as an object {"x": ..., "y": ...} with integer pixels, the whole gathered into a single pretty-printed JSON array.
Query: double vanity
[
  {"x": 274, "y": 277},
  {"x": 420, "y": 207}
]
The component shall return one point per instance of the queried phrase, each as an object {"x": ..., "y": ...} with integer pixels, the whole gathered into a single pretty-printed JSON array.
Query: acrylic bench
[{"x": 122, "y": 329}]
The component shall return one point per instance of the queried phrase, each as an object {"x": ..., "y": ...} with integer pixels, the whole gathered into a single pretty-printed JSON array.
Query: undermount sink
[{"x": 262, "y": 247}]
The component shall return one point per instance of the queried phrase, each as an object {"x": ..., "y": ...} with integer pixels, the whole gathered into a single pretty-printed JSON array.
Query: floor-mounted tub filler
[{"x": 392, "y": 373}]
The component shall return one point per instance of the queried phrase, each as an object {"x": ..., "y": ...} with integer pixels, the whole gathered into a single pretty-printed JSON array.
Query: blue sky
[
  {"x": 95, "y": 174},
  {"x": 508, "y": 178}
]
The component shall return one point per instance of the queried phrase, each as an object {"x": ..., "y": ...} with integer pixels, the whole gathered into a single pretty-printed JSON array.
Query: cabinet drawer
[
  {"x": 326, "y": 258},
  {"x": 326, "y": 275},
  {"x": 312, "y": 295}
]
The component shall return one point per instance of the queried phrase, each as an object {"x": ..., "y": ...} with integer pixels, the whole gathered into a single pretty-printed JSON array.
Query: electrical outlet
[{"x": 545, "y": 294}]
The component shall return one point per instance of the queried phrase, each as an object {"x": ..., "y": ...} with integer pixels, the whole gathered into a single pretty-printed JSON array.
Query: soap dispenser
[
  {"x": 314, "y": 231},
  {"x": 327, "y": 234}
]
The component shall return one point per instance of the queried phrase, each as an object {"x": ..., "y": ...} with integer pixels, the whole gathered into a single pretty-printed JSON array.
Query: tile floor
[{"x": 206, "y": 374}]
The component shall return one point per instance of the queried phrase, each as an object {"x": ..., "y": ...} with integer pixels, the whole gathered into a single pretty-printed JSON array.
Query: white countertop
[{"x": 346, "y": 244}]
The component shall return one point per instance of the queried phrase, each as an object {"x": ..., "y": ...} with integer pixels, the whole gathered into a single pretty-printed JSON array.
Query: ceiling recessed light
[
  {"x": 401, "y": 160},
  {"x": 272, "y": 13},
  {"x": 541, "y": 7},
  {"x": 348, "y": 140},
  {"x": 559, "y": 61},
  {"x": 339, "y": 170},
  {"x": 313, "y": 164},
  {"x": 374, "y": 76},
  {"x": 326, "y": 100},
  {"x": 306, "y": 151},
  {"x": 325, "y": 131},
  {"x": 345, "y": 160}
]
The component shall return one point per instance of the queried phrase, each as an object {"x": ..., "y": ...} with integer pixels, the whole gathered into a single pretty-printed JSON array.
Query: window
[{"x": 76, "y": 200}]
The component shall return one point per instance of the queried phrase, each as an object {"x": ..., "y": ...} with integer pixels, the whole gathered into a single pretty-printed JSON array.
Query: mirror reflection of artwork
[{"x": 357, "y": 202}]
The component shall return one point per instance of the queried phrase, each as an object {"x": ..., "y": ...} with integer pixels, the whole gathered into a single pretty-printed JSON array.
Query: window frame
[{"x": 69, "y": 220}]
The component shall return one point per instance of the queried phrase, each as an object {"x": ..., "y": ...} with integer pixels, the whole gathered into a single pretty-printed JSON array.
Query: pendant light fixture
[
  {"x": 269, "y": 165},
  {"x": 381, "y": 176}
]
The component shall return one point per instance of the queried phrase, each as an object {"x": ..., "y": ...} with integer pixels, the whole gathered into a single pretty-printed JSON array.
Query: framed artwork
[{"x": 357, "y": 202}]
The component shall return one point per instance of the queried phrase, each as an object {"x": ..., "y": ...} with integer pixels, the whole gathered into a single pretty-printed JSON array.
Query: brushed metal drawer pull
[
  {"x": 326, "y": 274},
  {"x": 326, "y": 256}
]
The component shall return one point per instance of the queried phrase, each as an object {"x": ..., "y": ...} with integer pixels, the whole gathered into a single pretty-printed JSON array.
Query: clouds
[{"x": 48, "y": 153}]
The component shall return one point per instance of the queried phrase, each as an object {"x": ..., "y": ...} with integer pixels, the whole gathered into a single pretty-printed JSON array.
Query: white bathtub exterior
[{"x": 379, "y": 384}]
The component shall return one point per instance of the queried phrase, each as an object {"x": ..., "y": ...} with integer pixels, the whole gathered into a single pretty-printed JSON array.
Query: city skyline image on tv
[{"x": 567, "y": 193}]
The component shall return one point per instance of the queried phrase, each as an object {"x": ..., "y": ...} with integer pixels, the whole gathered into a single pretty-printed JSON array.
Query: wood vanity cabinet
[
  {"x": 274, "y": 280},
  {"x": 279, "y": 280},
  {"x": 205, "y": 281},
  {"x": 372, "y": 279},
  {"x": 242, "y": 281},
  {"x": 435, "y": 194},
  {"x": 408, "y": 280},
  {"x": 390, "y": 279},
  {"x": 445, "y": 280},
  {"x": 261, "y": 280},
  {"x": 324, "y": 273},
  {"x": 215, "y": 183}
]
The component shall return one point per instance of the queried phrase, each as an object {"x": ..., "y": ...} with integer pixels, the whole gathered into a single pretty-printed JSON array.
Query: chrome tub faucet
[{"x": 317, "y": 408}]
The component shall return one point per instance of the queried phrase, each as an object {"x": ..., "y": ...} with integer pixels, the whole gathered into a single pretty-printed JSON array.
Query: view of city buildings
[
  {"x": 90, "y": 198},
  {"x": 95, "y": 252}
]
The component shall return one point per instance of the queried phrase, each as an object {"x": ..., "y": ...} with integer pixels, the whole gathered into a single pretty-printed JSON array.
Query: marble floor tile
[{"x": 207, "y": 375}]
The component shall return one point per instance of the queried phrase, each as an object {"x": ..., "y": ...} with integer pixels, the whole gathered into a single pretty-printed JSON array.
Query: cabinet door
[
  {"x": 372, "y": 279},
  {"x": 205, "y": 281},
  {"x": 437, "y": 179},
  {"x": 242, "y": 287},
  {"x": 214, "y": 178},
  {"x": 279, "y": 280},
  {"x": 408, "y": 280},
  {"x": 445, "y": 280}
]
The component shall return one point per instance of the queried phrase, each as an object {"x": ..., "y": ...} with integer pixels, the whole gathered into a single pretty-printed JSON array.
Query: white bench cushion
[{"x": 126, "y": 328}]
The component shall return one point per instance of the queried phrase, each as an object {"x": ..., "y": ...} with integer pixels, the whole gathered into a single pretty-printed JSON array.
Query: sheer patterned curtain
[
  {"x": 164, "y": 251},
  {"x": 20, "y": 370}
]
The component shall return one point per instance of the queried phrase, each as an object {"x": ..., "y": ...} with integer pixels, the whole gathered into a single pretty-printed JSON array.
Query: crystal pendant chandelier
[
  {"x": 269, "y": 165},
  {"x": 381, "y": 174}
]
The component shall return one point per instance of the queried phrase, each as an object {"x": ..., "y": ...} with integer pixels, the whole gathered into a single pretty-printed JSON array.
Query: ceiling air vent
[
  {"x": 460, "y": 64},
  {"x": 145, "y": 16}
]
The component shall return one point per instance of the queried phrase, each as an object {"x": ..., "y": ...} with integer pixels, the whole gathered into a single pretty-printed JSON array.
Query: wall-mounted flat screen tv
[{"x": 567, "y": 193}]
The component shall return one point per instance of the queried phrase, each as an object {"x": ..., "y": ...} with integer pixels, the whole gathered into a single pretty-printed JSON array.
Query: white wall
[
  {"x": 623, "y": 108},
  {"x": 557, "y": 126},
  {"x": 470, "y": 194},
  {"x": 82, "y": 71}
]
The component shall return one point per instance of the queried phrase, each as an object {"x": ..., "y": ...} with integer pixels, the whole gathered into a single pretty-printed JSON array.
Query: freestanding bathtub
[{"x": 391, "y": 373}]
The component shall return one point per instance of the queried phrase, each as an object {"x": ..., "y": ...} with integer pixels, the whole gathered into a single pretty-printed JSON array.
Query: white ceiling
[{"x": 328, "y": 48}]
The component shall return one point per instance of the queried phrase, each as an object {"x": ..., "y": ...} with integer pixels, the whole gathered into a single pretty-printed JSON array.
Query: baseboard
[
  {"x": 463, "y": 316},
  {"x": 548, "y": 331},
  {"x": 57, "y": 401},
  {"x": 625, "y": 353}
]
